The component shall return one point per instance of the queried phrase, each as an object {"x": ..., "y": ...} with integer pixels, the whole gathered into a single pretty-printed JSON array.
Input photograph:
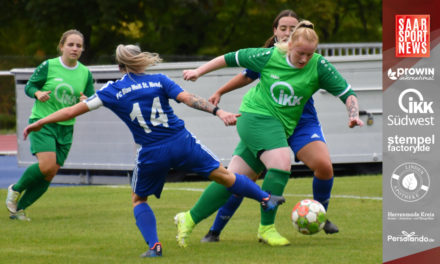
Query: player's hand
[
  {"x": 190, "y": 75},
  {"x": 82, "y": 97},
  {"x": 355, "y": 122},
  {"x": 42, "y": 96},
  {"x": 32, "y": 127},
  {"x": 230, "y": 119},
  {"x": 215, "y": 99}
]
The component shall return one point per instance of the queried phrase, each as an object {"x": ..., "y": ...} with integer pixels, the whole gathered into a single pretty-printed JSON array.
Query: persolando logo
[
  {"x": 413, "y": 74},
  {"x": 412, "y": 237}
]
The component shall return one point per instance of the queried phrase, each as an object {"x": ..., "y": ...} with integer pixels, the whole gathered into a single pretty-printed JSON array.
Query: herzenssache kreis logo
[{"x": 412, "y": 35}]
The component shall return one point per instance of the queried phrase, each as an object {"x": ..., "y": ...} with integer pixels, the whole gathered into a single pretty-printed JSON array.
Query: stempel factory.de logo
[{"x": 412, "y": 35}]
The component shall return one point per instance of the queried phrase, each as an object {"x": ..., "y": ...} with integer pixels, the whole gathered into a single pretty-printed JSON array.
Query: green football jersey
[
  {"x": 283, "y": 89},
  {"x": 65, "y": 84}
]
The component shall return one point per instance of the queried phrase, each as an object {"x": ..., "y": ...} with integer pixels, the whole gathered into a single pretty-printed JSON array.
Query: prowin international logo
[
  {"x": 412, "y": 74},
  {"x": 412, "y": 237},
  {"x": 410, "y": 182}
]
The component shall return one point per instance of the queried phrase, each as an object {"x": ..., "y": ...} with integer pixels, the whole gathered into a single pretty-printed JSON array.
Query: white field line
[{"x": 342, "y": 196}]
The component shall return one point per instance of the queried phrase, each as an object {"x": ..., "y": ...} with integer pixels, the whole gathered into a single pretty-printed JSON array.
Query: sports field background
[{"x": 95, "y": 224}]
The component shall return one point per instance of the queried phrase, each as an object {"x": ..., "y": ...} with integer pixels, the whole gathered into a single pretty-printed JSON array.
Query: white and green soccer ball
[{"x": 308, "y": 216}]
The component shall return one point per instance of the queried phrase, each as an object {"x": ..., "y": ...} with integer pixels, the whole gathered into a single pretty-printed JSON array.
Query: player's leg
[
  {"x": 278, "y": 163},
  {"x": 315, "y": 155},
  {"x": 199, "y": 159},
  {"x": 51, "y": 146},
  {"x": 146, "y": 223},
  {"x": 224, "y": 214},
  {"x": 148, "y": 179},
  {"x": 265, "y": 138},
  {"x": 48, "y": 167}
]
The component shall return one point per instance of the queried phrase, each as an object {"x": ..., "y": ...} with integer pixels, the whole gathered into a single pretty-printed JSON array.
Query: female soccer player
[
  {"x": 56, "y": 83},
  {"x": 141, "y": 101},
  {"x": 289, "y": 75},
  {"x": 307, "y": 142}
]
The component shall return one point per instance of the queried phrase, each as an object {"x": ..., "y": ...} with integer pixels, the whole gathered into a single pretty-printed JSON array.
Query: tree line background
[{"x": 179, "y": 30}]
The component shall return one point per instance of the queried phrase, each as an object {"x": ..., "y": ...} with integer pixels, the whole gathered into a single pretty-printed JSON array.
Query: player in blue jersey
[
  {"x": 307, "y": 142},
  {"x": 141, "y": 101}
]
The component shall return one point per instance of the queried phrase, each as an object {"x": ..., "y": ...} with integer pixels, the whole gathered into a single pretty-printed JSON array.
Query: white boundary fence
[{"x": 103, "y": 143}]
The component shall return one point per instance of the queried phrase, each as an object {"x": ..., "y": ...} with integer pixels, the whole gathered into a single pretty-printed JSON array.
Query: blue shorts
[
  {"x": 183, "y": 152},
  {"x": 305, "y": 132}
]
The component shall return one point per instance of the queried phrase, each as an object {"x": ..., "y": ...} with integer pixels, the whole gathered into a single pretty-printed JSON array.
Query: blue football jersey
[{"x": 141, "y": 101}]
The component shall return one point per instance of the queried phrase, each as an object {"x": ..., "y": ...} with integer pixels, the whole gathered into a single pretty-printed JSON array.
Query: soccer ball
[{"x": 308, "y": 216}]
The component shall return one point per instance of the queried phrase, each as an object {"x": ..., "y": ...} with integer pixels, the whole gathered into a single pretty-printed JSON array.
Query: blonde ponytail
[{"x": 131, "y": 59}]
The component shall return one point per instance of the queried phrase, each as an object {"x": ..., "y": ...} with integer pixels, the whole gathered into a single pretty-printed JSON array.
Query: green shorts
[
  {"x": 52, "y": 138},
  {"x": 257, "y": 134}
]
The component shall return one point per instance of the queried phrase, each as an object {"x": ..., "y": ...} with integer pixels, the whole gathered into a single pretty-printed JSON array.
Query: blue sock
[
  {"x": 226, "y": 212},
  {"x": 322, "y": 190},
  {"x": 146, "y": 222},
  {"x": 244, "y": 186}
]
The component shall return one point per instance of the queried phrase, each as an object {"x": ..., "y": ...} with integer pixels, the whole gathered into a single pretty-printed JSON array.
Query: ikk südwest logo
[{"x": 412, "y": 35}]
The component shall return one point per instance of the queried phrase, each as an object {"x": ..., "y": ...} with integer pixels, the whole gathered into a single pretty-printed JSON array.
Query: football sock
[
  {"x": 31, "y": 175},
  {"x": 322, "y": 190},
  {"x": 226, "y": 212},
  {"x": 274, "y": 182},
  {"x": 146, "y": 223},
  {"x": 214, "y": 196},
  {"x": 246, "y": 187},
  {"x": 33, "y": 193}
]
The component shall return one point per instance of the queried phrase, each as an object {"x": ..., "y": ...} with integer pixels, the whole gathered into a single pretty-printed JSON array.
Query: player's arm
[
  {"x": 58, "y": 116},
  {"x": 238, "y": 81},
  {"x": 212, "y": 65},
  {"x": 202, "y": 104},
  {"x": 36, "y": 82},
  {"x": 333, "y": 82},
  {"x": 353, "y": 112}
]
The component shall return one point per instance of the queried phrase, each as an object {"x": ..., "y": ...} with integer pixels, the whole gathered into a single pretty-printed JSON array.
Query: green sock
[
  {"x": 32, "y": 194},
  {"x": 214, "y": 196},
  {"x": 30, "y": 176},
  {"x": 274, "y": 182}
]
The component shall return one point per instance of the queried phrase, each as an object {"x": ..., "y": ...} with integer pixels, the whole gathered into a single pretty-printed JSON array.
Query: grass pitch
[{"x": 95, "y": 224}]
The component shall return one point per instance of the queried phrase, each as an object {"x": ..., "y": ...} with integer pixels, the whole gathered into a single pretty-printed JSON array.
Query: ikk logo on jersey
[
  {"x": 284, "y": 96},
  {"x": 64, "y": 93},
  {"x": 412, "y": 35}
]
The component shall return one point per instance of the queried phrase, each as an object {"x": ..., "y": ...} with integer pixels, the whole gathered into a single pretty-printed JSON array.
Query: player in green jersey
[
  {"x": 289, "y": 75},
  {"x": 55, "y": 84},
  {"x": 307, "y": 141}
]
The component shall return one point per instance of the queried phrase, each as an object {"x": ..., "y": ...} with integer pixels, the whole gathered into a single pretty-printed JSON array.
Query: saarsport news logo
[
  {"x": 412, "y": 35},
  {"x": 411, "y": 74},
  {"x": 410, "y": 182}
]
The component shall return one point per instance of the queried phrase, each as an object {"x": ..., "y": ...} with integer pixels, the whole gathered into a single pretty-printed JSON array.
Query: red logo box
[{"x": 412, "y": 35}]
